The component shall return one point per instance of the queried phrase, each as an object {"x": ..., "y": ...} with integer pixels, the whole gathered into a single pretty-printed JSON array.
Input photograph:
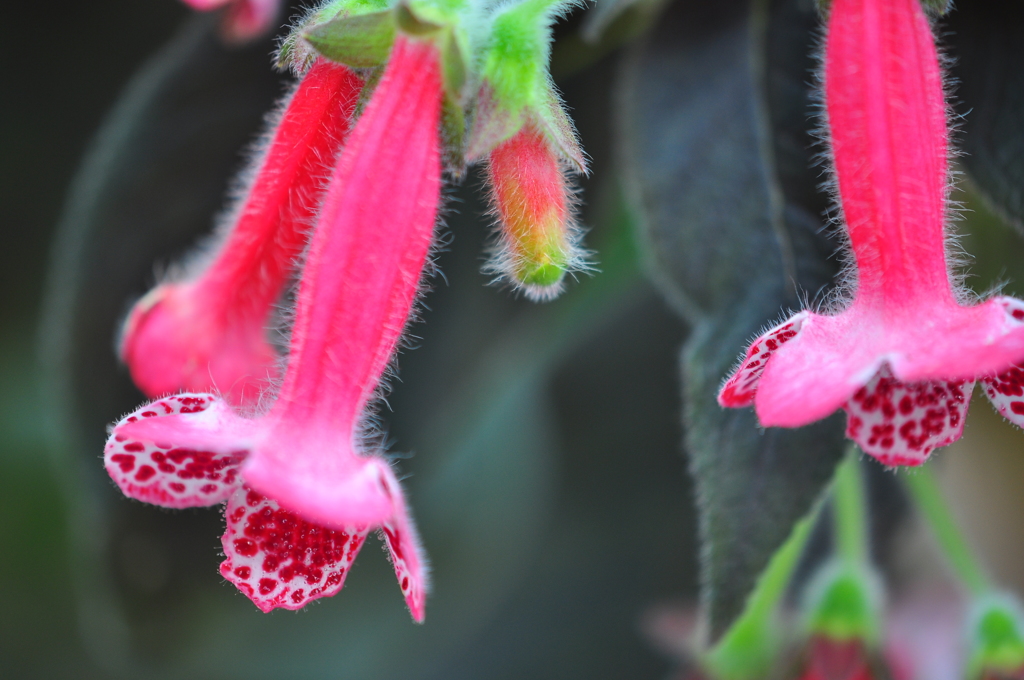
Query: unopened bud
[
  {"x": 997, "y": 640},
  {"x": 532, "y": 201}
]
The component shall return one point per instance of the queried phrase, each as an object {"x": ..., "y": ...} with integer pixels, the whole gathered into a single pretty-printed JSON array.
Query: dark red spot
[
  {"x": 243, "y": 572},
  {"x": 145, "y": 472},
  {"x": 125, "y": 462},
  {"x": 177, "y": 487},
  {"x": 148, "y": 414},
  {"x": 267, "y": 585},
  {"x": 135, "y": 447},
  {"x": 393, "y": 541},
  {"x": 245, "y": 547}
]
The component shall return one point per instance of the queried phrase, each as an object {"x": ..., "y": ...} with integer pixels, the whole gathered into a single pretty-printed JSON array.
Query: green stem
[
  {"x": 849, "y": 508},
  {"x": 928, "y": 498},
  {"x": 748, "y": 647}
]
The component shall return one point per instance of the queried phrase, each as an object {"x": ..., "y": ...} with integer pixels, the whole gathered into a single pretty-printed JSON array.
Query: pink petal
[
  {"x": 900, "y": 423},
  {"x": 739, "y": 390},
  {"x": 351, "y": 491},
  {"x": 280, "y": 560},
  {"x": 171, "y": 342},
  {"x": 406, "y": 553},
  {"x": 960, "y": 342},
  {"x": 155, "y": 465},
  {"x": 815, "y": 373},
  {"x": 1006, "y": 392}
]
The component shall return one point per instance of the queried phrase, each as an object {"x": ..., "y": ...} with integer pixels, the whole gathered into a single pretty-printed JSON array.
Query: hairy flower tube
[
  {"x": 244, "y": 19},
  {"x": 209, "y": 330},
  {"x": 302, "y": 487},
  {"x": 903, "y": 355},
  {"x": 537, "y": 237}
]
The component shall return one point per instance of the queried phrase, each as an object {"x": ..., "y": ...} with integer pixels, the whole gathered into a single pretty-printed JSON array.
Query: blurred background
[{"x": 541, "y": 444}]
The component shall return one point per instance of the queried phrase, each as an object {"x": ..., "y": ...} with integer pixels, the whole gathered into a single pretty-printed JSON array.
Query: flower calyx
[
  {"x": 361, "y": 34},
  {"x": 996, "y": 639},
  {"x": 515, "y": 87},
  {"x": 842, "y": 607}
]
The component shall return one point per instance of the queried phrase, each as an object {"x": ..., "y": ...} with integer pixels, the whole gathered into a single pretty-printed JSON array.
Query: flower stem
[
  {"x": 849, "y": 508},
  {"x": 928, "y": 498},
  {"x": 747, "y": 649}
]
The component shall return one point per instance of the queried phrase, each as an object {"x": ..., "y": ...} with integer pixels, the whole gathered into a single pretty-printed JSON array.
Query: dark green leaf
[
  {"x": 715, "y": 114},
  {"x": 987, "y": 43},
  {"x": 359, "y": 41}
]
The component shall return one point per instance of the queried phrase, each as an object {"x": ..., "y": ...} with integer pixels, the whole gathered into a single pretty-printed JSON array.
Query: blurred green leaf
[
  {"x": 715, "y": 118},
  {"x": 986, "y": 41}
]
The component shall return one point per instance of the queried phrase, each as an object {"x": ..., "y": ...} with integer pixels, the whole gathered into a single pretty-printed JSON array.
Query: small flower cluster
[
  {"x": 903, "y": 355},
  {"x": 345, "y": 198}
]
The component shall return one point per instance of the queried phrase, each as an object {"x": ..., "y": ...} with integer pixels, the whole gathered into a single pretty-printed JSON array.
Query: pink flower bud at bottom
[{"x": 537, "y": 239}]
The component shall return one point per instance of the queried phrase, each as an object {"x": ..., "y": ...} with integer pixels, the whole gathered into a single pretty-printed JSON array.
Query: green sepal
[
  {"x": 449, "y": 41},
  {"x": 453, "y": 135},
  {"x": 843, "y": 603},
  {"x": 295, "y": 51},
  {"x": 997, "y": 637},
  {"x": 359, "y": 41},
  {"x": 516, "y": 88}
]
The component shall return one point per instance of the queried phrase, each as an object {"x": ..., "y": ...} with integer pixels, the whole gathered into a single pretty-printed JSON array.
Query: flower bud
[
  {"x": 842, "y": 609},
  {"x": 996, "y": 639},
  {"x": 532, "y": 201}
]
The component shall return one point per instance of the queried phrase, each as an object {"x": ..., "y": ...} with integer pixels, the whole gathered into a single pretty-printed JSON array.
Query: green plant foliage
[{"x": 714, "y": 107}]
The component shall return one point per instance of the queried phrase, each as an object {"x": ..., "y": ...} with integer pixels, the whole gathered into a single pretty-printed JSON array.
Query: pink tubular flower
[
  {"x": 210, "y": 331},
  {"x": 302, "y": 490},
  {"x": 903, "y": 356},
  {"x": 245, "y": 19}
]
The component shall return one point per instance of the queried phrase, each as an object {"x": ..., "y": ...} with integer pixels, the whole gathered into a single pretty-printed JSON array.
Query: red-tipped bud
[{"x": 532, "y": 200}]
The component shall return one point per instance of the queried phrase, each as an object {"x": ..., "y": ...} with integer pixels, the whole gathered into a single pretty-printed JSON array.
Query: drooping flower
[
  {"x": 244, "y": 20},
  {"x": 903, "y": 356},
  {"x": 302, "y": 488},
  {"x": 209, "y": 330}
]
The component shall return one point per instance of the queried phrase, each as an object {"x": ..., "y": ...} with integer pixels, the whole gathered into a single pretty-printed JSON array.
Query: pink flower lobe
[
  {"x": 741, "y": 387},
  {"x": 175, "y": 474},
  {"x": 901, "y": 423},
  {"x": 280, "y": 560}
]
